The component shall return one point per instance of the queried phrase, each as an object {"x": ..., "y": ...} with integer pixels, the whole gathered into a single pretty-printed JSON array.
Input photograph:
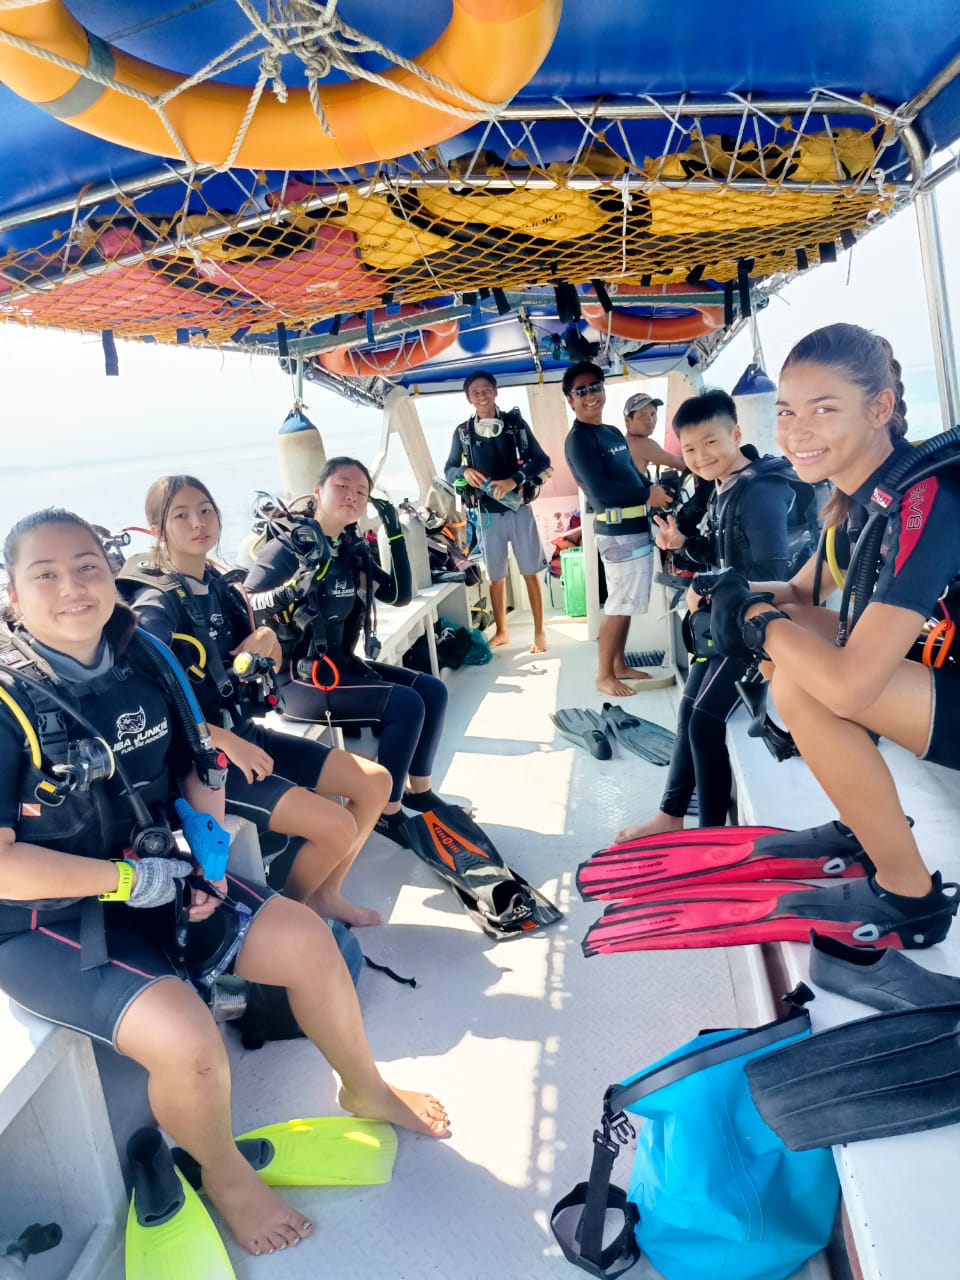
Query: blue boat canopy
[{"x": 649, "y": 177}]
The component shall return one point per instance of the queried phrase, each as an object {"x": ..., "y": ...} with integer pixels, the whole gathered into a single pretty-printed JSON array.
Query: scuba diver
[
  {"x": 838, "y": 678},
  {"x": 496, "y": 461},
  {"x": 277, "y": 781},
  {"x": 317, "y": 582},
  {"x": 756, "y": 523},
  {"x": 104, "y": 926}
]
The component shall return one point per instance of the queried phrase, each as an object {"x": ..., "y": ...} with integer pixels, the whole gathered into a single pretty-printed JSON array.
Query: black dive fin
[
  {"x": 876, "y": 1077},
  {"x": 652, "y": 742},
  {"x": 456, "y": 848},
  {"x": 582, "y": 727}
]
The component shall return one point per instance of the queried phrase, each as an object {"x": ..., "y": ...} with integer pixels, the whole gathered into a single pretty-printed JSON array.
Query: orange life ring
[
  {"x": 425, "y": 343},
  {"x": 624, "y": 324},
  {"x": 490, "y": 49}
]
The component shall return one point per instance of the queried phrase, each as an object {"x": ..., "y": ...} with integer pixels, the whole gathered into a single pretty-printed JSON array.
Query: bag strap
[
  {"x": 584, "y": 1247},
  {"x": 796, "y": 1020}
]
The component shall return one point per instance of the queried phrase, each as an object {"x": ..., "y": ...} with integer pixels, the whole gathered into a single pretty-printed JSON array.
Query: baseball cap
[{"x": 639, "y": 401}]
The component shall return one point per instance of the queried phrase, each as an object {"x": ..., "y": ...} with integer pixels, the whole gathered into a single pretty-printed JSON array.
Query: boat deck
[{"x": 518, "y": 1039}]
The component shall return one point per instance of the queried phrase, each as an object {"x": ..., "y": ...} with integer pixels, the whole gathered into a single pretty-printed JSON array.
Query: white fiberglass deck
[{"x": 518, "y": 1039}]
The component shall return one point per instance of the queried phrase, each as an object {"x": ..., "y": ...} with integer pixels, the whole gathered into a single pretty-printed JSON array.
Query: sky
[{"x": 57, "y": 407}]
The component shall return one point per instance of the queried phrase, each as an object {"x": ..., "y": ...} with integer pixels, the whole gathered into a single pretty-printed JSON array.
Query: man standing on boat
[
  {"x": 498, "y": 464},
  {"x": 640, "y": 422},
  {"x": 618, "y": 496}
]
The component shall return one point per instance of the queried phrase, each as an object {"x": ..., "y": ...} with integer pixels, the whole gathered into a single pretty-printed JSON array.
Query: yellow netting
[{"x": 325, "y": 247}]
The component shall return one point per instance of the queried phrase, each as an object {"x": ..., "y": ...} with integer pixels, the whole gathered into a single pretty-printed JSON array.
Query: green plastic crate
[{"x": 573, "y": 582}]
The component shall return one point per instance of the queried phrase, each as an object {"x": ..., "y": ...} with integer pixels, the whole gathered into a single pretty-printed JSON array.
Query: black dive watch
[{"x": 754, "y": 630}]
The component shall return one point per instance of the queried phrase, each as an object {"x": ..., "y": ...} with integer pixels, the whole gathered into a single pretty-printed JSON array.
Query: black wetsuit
[
  {"x": 602, "y": 466},
  {"x": 297, "y": 762},
  {"x": 406, "y": 707},
  {"x": 920, "y": 557},
  {"x": 40, "y": 949},
  {"x": 700, "y": 759}
]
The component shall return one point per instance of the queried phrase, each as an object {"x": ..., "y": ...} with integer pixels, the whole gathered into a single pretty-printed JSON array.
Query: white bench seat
[
  {"x": 56, "y": 1147},
  {"x": 900, "y": 1193}
]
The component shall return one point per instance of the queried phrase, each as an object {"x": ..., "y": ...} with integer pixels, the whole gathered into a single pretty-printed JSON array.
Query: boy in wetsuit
[
  {"x": 745, "y": 528},
  {"x": 618, "y": 495}
]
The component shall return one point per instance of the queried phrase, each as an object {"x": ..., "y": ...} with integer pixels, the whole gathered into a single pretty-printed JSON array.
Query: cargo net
[{"x": 741, "y": 197}]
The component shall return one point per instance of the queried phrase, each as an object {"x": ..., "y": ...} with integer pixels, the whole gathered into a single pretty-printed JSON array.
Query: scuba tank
[{"x": 415, "y": 537}]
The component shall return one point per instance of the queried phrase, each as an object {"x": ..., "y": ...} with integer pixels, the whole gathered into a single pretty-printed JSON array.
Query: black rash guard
[
  {"x": 920, "y": 553},
  {"x": 603, "y": 468}
]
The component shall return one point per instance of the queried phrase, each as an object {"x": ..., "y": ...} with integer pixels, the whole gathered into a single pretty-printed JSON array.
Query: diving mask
[{"x": 488, "y": 428}]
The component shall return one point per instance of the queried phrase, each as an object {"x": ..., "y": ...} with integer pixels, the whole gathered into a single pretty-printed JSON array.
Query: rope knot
[{"x": 271, "y": 69}]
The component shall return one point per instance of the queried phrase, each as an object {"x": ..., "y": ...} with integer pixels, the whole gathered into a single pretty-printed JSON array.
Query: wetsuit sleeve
[
  {"x": 920, "y": 550},
  {"x": 763, "y": 511},
  {"x": 454, "y": 468},
  {"x": 395, "y": 587},
  {"x": 156, "y": 613},
  {"x": 11, "y": 747},
  {"x": 603, "y": 488}
]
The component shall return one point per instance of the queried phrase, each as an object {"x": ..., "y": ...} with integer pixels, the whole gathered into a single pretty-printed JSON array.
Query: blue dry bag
[{"x": 714, "y": 1192}]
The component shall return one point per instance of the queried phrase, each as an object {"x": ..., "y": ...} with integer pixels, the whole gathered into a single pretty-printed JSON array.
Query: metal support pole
[{"x": 938, "y": 307}]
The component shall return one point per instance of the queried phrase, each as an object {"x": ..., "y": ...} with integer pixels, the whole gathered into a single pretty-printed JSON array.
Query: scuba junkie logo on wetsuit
[{"x": 132, "y": 731}]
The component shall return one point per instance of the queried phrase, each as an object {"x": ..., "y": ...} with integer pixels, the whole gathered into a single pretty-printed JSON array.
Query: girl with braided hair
[{"x": 842, "y": 417}]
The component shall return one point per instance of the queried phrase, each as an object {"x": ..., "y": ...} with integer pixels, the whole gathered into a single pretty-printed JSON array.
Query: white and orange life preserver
[
  {"x": 624, "y": 324},
  {"x": 417, "y": 347},
  {"x": 491, "y": 49}
]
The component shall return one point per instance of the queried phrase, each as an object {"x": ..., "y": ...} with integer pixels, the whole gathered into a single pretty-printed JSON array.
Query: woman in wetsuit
[
  {"x": 56, "y": 869},
  {"x": 277, "y": 781},
  {"x": 842, "y": 417},
  {"x": 321, "y": 616}
]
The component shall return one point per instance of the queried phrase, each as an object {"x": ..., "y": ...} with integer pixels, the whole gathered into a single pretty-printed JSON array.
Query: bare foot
[
  {"x": 662, "y": 822},
  {"x": 615, "y": 687},
  {"x": 498, "y": 638},
  {"x": 632, "y": 673},
  {"x": 539, "y": 643},
  {"x": 334, "y": 906},
  {"x": 261, "y": 1220},
  {"x": 419, "y": 1112}
]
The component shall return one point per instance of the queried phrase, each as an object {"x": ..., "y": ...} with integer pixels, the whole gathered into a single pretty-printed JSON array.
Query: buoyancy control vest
[
  {"x": 229, "y": 616},
  {"x": 516, "y": 436},
  {"x": 295, "y": 578},
  {"x": 66, "y": 802},
  {"x": 724, "y": 523}
]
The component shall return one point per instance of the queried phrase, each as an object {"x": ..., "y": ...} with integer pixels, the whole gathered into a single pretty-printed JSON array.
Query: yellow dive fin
[{"x": 326, "y": 1151}]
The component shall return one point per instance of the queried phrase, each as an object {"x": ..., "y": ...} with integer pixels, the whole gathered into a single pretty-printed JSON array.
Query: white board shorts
[{"x": 628, "y": 565}]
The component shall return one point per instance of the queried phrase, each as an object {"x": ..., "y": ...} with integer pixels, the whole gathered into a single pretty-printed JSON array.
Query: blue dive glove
[
  {"x": 208, "y": 841},
  {"x": 730, "y": 598}
]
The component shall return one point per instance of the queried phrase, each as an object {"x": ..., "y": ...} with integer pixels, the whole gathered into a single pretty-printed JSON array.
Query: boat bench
[
  {"x": 56, "y": 1147},
  {"x": 58, "y": 1133},
  {"x": 899, "y": 1193}
]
